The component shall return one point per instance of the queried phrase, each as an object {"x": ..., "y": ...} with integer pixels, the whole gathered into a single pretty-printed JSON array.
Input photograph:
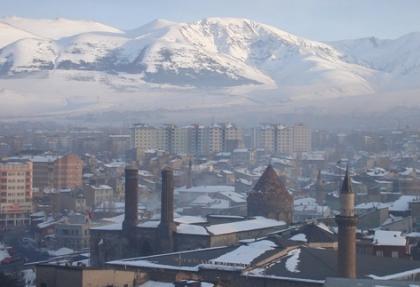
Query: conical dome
[{"x": 270, "y": 182}]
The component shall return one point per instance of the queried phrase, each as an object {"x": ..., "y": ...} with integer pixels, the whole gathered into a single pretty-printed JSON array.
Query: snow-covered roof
[
  {"x": 102, "y": 186},
  {"x": 388, "y": 238},
  {"x": 3, "y": 252},
  {"x": 60, "y": 252},
  {"x": 113, "y": 226},
  {"x": 149, "y": 224},
  {"x": 299, "y": 237},
  {"x": 245, "y": 254},
  {"x": 203, "y": 199},
  {"x": 191, "y": 229},
  {"x": 402, "y": 203},
  {"x": 309, "y": 204},
  {"x": 207, "y": 189},
  {"x": 245, "y": 225},
  {"x": 234, "y": 196},
  {"x": 370, "y": 205},
  {"x": 219, "y": 204},
  {"x": 188, "y": 219},
  {"x": 292, "y": 261},
  {"x": 376, "y": 172}
]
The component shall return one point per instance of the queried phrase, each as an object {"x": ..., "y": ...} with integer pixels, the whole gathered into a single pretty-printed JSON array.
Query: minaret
[
  {"x": 131, "y": 197},
  {"x": 346, "y": 221},
  {"x": 167, "y": 225},
  {"x": 189, "y": 175},
  {"x": 130, "y": 215}
]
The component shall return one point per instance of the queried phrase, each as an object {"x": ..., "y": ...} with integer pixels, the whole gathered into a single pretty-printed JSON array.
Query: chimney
[
  {"x": 131, "y": 185},
  {"x": 346, "y": 221},
  {"x": 319, "y": 189},
  {"x": 189, "y": 174},
  {"x": 167, "y": 225}
]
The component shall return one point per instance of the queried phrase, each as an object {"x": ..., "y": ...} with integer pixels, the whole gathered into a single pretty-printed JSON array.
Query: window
[
  {"x": 395, "y": 254},
  {"x": 379, "y": 253}
]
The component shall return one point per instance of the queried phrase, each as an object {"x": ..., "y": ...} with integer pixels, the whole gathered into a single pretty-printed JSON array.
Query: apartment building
[
  {"x": 283, "y": 139},
  {"x": 15, "y": 193},
  {"x": 73, "y": 232},
  {"x": 192, "y": 139}
]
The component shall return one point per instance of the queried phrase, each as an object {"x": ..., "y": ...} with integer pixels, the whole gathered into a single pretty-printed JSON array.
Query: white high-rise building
[
  {"x": 265, "y": 138},
  {"x": 302, "y": 138},
  {"x": 232, "y": 137},
  {"x": 215, "y": 138},
  {"x": 144, "y": 137},
  {"x": 283, "y": 139},
  {"x": 180, "y": 140}
]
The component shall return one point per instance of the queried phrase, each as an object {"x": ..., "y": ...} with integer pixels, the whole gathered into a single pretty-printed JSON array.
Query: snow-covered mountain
[
  {"x": 213, "y": 56},
  {"x": 211, "y": 52},
  {"x": 399, "y": 58}
]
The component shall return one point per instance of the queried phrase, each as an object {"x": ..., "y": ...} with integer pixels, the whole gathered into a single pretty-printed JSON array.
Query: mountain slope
[
  {"x": 57, "y": 28},
  {"x": 208, "y": 63},
  {"x": 398, "y": 56},
  {"x": 10, "y": 34},
  {"x": 214, "y": 52}
]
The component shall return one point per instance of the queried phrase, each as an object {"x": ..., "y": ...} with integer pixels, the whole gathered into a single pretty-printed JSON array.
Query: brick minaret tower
[
  {"x": 346, "y": 221},
  {"x": 131, "y": 198},
  {"x": 130, "y": 215},
  {"x": 167, "y": 225}
]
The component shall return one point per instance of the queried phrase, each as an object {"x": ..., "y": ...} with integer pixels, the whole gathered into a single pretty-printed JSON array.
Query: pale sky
[{"x": 314, "y": 19}]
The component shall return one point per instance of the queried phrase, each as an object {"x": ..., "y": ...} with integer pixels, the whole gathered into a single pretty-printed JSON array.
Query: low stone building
[
  {"x": 81, "y": 276},
  {"x": 97, "y": 194}
]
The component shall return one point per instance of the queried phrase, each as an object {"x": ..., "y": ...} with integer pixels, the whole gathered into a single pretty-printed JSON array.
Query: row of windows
[
  {"x": 20, "y": 187},
  {"x": 15, "y": 173}
]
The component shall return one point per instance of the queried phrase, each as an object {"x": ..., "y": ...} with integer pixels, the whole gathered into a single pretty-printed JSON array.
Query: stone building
[
  {"x": 97, "y": 194},
  {"x": 132, "y": 238},
  {"x": 270, "y": 198},
  {"x": 80, "y": 276}
]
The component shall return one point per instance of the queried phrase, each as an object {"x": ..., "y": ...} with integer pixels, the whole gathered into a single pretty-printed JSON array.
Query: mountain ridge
[{"x": 236, "y": 57}]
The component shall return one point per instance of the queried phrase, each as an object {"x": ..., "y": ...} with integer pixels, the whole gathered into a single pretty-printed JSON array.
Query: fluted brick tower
[
  {"x": 130, "y": 214},
  {"x": 270, "y": 198},
  {"x": 346, "y": 221},
  {"x": 167, "y": 226},
  {"x": 131, "y": 198}
]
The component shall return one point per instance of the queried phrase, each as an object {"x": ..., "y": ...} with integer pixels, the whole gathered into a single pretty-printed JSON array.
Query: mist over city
[{"x": 209, "y": 143}]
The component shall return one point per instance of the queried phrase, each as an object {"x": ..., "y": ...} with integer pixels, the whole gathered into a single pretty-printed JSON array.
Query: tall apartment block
[
  {"x": 15, "y": 193},
  {"x": 192, "y": 139},
  {"x": 283, "y": 139}
]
